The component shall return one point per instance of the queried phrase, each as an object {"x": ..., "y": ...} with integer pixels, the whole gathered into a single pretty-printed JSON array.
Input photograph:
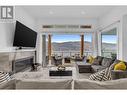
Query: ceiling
[{"x": 68, "y": 11}]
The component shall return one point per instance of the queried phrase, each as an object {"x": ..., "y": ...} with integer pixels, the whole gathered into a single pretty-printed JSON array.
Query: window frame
[{"x": 115, "y": 25}]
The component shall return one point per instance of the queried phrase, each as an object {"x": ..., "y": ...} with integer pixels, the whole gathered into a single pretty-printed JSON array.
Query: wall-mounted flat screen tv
[{"x": 24, "y": 36}]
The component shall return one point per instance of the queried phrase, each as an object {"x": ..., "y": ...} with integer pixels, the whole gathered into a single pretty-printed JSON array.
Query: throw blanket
[
  {"x": 101, "y": 75},
  {"x": 104, "y": 74}
]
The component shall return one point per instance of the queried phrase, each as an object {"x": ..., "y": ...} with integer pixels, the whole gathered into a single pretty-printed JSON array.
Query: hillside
[{"x": 75, "y": 46}]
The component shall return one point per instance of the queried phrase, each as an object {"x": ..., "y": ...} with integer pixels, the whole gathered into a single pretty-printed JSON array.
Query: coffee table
[
  {"x": 54, "y": 72},
  {"x": 68, "y": 69}
]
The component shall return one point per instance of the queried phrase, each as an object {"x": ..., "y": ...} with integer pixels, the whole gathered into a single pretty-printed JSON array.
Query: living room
[{"x": 83, "y": 67}]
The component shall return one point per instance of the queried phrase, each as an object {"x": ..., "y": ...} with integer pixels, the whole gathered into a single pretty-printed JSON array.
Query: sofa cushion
[
  {"x": 44, "y": 84},
  {"x": 97, "y": 68},
  {"x": 106, "y": 62},
  {"x": 90, "y": 84},
  {"x": 117, "y": 74},
  {"x": 28, "y": 75},
  {"x": 114, "y": 63},
  {"x": 97, "y": 60},
  {"x": 87, "y": 84},
  {"x": 100, "y": 58},
  {"x": 8, "y": 84}
]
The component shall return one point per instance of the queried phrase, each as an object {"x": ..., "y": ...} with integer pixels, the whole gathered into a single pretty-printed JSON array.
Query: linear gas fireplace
[{"x": 23, "y": 64}]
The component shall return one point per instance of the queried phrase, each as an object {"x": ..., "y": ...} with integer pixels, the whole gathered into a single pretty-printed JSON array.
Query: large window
[
  {"x": 109, "y": 44},
  {"x": 70, "y": 44},
  {"x": 88, "y": 44},
  {"x": 65, "y": 45}
]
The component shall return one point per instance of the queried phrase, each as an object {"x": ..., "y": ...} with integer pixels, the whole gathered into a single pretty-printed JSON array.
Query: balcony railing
[
  {"x": 70, "y": 53},
  {"x": 109, "y": 54}
]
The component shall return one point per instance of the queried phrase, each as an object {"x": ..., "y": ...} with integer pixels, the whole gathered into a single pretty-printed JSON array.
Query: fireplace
[{"x": 23, "y": 64}]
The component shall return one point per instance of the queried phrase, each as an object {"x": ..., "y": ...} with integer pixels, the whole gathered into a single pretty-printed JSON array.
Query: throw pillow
[
  {"x": 101, "y": 75},
  {"x": 4, "y": 77},
  {"x": 120, "y": 66},
  {"x": 99, "y": 59},
  {"x": 114, "y": 63},
  {"x": 106, "y": 62},
  {"x": 95, "y": 61},
  {"x": 91, "y": 59},
  {"x": 112, "y": 67}
]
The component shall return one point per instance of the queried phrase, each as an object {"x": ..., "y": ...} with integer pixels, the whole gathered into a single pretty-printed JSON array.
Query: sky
[
  {"x": 87, "y": 37},
  {"x": 66, "y": 38},
  {"x": 109, "y": 38}
]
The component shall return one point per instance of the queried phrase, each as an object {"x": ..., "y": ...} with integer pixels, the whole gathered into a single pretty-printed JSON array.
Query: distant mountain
[
  {"x": 66, "y": 46},
  {"x": 109, "y": 47},
  {"x": 75, "y": 46}
]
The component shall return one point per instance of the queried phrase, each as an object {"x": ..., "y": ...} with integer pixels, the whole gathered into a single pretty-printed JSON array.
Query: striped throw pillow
[
  {"x": 101, "y": 75},
  {"x": 4, "y": 77}
]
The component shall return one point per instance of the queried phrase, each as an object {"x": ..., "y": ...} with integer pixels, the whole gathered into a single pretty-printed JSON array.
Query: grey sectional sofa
[
  {"x": 99, "y": 64},
  {"x": 38, "y": 84},
  {"x": 65, "y": 84},
  {"x": 102, "y": 63},
  {"x": 30, "y": 83},
  {"x": 89, "y": 84}
]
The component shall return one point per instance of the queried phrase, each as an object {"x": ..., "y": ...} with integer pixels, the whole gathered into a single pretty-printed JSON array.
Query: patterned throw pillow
[
  {"x": 101, "y": 75},
  {"x": 4, "y": 77}
]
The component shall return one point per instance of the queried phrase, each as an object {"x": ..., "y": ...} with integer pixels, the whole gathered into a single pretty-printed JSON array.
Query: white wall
[
  {"x": 124, "y": 36},
  {"x": 6, "y": 35},
  {"x": 24, "y": 17},
  {"x": 113, "y": 16},
  {"x": 7, "y": 28}
]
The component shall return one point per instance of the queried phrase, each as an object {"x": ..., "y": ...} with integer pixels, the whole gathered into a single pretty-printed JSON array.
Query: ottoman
[{"x": 84, "y": 67}]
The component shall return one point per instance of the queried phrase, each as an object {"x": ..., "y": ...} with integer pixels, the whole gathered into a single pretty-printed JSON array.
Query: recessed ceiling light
[
  {"x": 82, "y": 12},
  {"x": 50, "y": 12}
]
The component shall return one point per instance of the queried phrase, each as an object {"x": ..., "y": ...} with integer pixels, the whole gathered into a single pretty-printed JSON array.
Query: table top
[
  {"x": 55, "y": 68},
  {"x": 81, "y": 63}
]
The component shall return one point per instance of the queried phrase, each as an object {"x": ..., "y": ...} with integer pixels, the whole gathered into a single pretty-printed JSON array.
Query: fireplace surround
[
  {"x": 22, "y": 64},
  {"x": 8, "y": 58}
]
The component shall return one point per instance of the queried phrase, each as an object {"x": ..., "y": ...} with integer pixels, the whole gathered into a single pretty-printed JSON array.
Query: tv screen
[{"x": 24, "y": 36}]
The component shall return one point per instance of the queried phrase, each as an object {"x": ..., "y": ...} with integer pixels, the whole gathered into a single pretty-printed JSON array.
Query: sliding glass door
[
  {"x": 109, "y": 43},
  {"x": 65, "y": 45}
]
